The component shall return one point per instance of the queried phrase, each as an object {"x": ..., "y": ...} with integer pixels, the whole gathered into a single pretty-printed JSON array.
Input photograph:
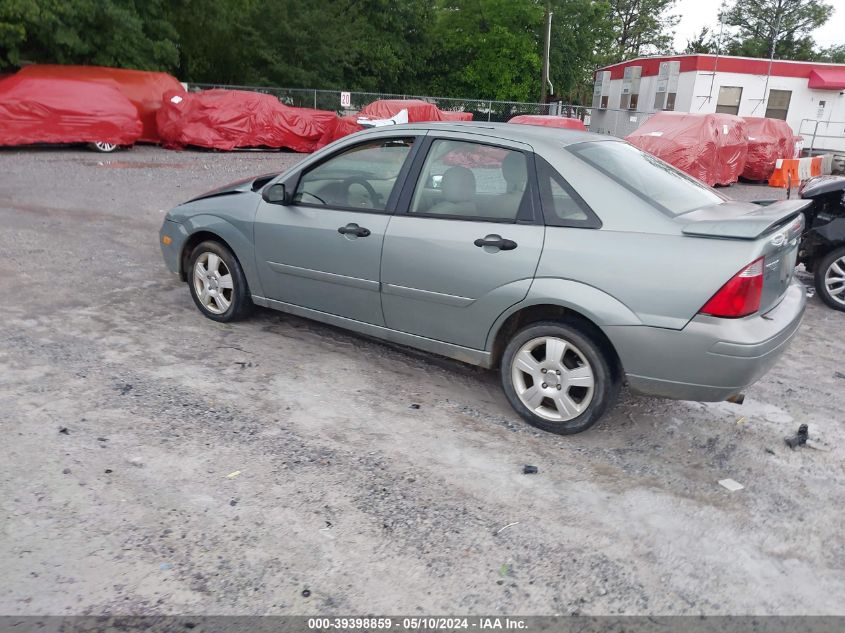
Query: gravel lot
[{"x": 123, "y": 412}]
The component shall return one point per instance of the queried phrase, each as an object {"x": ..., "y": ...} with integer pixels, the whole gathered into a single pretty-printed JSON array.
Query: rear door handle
[
  {"x": 496, "y": 242},
  {"x": 353, "y": 229}
]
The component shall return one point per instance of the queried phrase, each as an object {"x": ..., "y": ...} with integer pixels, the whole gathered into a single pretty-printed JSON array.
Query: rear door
[
  {"x": 464, "y": 242},
  {"x": 323, "y": 250}
]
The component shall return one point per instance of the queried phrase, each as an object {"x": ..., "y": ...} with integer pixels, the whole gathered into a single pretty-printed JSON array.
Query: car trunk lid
[{"x": 775, "y": 230}]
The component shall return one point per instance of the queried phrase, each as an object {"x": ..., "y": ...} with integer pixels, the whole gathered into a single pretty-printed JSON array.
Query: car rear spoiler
[{"x": 742, "y": 221}]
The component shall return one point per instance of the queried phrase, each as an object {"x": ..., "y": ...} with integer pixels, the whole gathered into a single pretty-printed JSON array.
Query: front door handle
[
  {"x": 495, "y": 241},
  {"x": 353, "y": 229}
]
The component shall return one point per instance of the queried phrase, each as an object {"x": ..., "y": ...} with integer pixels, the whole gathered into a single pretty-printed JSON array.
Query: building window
[
  {"x": 664, "y": 101},
  {"x": 729, "y": 98},
  {"x": 778, "y": 104},
  {"x": 603, "y": 102},
  {"x": 634, "y": 100}
]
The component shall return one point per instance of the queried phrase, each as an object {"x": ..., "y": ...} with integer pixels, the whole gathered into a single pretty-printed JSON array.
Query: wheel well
[
  {"x": 549, "y": 312},
  {"x": 191, "y": 243}
]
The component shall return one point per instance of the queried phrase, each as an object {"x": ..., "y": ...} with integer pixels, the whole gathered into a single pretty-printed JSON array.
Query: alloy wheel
[
  {"x": 101, "y": 146},
  {"x": 834, "y": 280},
  {"x": 553, "y": 378},
  {"x": 213, "y": 283}
]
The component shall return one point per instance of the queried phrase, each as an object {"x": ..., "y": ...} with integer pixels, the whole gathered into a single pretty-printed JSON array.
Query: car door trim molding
[
  {"x": 319, "y": 275},
  {"x": 464, "y": 354},
  {"x": 427, "y": 295}
]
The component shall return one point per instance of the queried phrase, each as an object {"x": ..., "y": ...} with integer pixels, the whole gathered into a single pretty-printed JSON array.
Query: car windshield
[{"x": 669, "y": 189}]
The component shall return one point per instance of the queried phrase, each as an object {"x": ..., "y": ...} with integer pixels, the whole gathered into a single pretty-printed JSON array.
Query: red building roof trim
[{"x": 724, "y": 63}]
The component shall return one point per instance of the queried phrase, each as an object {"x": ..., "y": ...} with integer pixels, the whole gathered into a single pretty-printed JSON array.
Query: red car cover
[
  {"x": 346, "y": 125},
  {"x": 418, "y": 111},
  {"x": 227, "y": 119},
  {"x": 36, "y": 110},
  {"x": 710, "y": 147},
  {"x": 144, "y": 89},
  {"x": 550, "y": 121},
  {"x": 768, "y": 140},
  {"x": 455, "y": 115}
]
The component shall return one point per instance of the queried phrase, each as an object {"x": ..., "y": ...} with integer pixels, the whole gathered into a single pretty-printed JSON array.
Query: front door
[
  {"x": 323, "y": 250},
  {"x": 464, "y": 245}
]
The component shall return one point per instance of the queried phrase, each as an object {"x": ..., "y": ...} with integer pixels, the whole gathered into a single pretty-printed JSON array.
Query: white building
[{"x": 809, "y": 96}]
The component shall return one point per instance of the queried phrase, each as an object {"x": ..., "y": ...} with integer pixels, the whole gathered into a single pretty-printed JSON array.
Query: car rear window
[{"x": 668, "y": 189}]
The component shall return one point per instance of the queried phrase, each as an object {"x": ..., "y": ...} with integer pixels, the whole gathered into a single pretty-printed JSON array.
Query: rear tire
[
  {"x": 830, "y": 278},
  {"x": 558, "y": 377},
  {"x": 217, "y": 283}
]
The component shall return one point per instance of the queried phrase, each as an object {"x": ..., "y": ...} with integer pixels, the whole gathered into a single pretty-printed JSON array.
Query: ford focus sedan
[{"x": 571, "y": 262}]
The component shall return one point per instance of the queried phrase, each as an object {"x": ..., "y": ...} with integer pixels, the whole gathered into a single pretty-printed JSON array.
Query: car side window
[
  {"x": 562, "y": 206},
  {"x": 361, "y": 177},
  {"x": 472, "y": 181}
]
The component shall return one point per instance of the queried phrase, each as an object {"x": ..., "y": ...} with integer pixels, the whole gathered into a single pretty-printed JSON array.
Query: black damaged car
[{"x": 822, "y": 248}]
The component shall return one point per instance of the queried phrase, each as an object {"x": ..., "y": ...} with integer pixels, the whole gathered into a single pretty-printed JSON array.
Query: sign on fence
[{"x": 345, "y": 99}]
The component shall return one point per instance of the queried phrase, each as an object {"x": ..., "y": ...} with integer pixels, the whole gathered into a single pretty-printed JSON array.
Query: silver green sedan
[{"x": 571, "y": 262}]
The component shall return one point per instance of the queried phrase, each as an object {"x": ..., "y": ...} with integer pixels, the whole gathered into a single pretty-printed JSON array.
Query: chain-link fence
[
  {"x": 604, "y": 121},
  {"x": 481, "y": 109}
]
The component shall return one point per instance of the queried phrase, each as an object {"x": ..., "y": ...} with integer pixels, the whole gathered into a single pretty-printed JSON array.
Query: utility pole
[{"x": 547, "y": 40}]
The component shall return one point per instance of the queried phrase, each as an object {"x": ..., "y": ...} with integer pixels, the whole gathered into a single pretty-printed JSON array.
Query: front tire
[
  {"x": 558, "y": 377},
  {"x": 217, "y": 283},
  {"x": 830, "y": 279}
]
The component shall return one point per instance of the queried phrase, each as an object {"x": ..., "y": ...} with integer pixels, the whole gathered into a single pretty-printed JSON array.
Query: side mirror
[{"x": 276, "y": 194}]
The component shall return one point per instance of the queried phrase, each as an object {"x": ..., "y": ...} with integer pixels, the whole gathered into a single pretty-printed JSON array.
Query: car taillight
[{"x": 740, "y": 296}]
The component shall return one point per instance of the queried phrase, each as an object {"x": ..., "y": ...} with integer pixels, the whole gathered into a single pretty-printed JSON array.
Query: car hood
[{"x": 239, "y": 186}]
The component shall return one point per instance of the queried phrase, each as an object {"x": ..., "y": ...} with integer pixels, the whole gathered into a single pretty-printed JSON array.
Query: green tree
[
  {"x": 580, "y": 31},
  {"x": 832, "y": 54},
  {"x": 705, "y": 42},
  {"x": 784, "y": 24},
  {"x": 488, "y": 48},
  {"x": 102, "y": 32},
  {"x": 640, "y": 27}
]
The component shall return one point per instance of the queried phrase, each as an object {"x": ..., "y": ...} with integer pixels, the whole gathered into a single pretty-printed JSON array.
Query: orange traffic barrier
[
  {"x": 795, "y": 170},
  {"x": 785, "y": 172}
]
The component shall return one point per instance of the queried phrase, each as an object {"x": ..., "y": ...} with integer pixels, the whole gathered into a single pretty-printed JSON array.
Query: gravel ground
[{"x": 123, "y": 412}]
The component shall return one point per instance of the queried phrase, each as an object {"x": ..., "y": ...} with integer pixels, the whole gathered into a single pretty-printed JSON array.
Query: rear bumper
[{"x": 711, "y": 358}]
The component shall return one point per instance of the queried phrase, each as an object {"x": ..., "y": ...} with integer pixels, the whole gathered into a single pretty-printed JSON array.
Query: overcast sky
[{"x": 697, "y": 13}]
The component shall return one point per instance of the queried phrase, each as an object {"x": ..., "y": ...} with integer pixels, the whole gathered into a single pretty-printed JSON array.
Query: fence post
[{"x": 489, "y": 111}]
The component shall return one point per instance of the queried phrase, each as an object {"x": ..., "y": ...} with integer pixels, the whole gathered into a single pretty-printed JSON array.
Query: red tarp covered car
[
  {"x": 143, "y": 88},
  {"x": 34, "y": 110},
  {"x": 549, "y": 121},
  {"x": 228, "y": 119},
  {"x": 710, "y": 147},
  {"x": 455, "y": 115},
  {"x": 418, "y": 111},
  {"x": 768, "y": 140}
]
